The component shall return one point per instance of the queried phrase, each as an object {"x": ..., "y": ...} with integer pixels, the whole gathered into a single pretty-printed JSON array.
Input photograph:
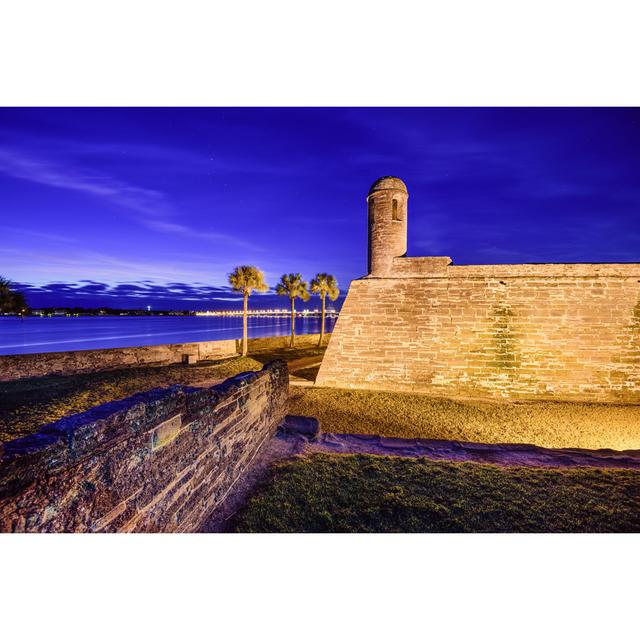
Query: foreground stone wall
[
  {"x": 72, "y": 362},
  {"x": 156, "y": 462},
  {"x": 568, "y": 332}
]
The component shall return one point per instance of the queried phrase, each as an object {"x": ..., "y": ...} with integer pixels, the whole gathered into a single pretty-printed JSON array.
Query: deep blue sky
[{"x": 129, "y": 207}]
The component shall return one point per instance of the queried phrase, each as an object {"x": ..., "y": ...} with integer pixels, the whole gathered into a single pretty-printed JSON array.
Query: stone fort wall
[
  {"x": 510, "y": 331},
  {"x": 160, "y": 461},
  {"x": 554, "y": 331}
]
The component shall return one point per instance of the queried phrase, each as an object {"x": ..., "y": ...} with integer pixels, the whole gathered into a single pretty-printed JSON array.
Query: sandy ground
[{"x": 407, "y": 415}]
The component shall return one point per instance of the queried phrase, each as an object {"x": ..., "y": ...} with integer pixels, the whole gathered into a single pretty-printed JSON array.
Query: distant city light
[{"x": 330, "y": 312}]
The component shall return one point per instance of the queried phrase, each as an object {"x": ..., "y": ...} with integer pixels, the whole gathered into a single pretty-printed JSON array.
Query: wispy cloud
[
  {"x": 38, "y": 266},
  {"x": 26, "y": 168},
  {"x": 152, "y": 207},
  {"x": 40, "y": 235}
]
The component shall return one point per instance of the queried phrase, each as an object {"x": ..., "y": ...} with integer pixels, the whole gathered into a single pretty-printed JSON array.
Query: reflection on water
[{"x": 35, "y": 335}]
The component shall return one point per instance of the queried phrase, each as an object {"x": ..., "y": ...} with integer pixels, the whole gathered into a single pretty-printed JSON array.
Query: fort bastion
[{"x": 504, "y": 331}]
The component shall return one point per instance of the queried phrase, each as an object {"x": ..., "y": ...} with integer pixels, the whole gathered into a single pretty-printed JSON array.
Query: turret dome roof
[{"x": 388, "y": 182}]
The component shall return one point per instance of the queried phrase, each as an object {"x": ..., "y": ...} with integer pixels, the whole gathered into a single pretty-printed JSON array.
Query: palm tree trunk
[
  {"x": 293, "y": 319},
  {"x": 322, "y": 295},
  {"x": 245, "y": 340}
]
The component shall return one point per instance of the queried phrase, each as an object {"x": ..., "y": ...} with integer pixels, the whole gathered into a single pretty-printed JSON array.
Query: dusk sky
[{"x": 129, "y": 207}]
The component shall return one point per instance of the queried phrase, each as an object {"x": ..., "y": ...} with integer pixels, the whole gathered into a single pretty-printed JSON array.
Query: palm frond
[
  {"x": 325, "y": 284},
  {"x": 246, "y": 279},
  {"x": 293, "y": 286},
  {"x": 11, "y": 301}
]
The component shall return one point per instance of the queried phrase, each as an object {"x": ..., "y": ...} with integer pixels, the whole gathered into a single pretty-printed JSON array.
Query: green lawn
[
  {"x": 406, "y": 415},
  {"x": 27, "y": 405},
  {"x": 359, "y": 493}
]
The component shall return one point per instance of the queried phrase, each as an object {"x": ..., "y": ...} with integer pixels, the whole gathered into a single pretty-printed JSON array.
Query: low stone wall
[
  {"x": 71, "y": 362},
  {"x": 160, "y": 461}
]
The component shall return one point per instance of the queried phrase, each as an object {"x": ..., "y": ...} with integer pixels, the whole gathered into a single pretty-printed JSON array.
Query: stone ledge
[
  {"x": 460, "y": 451},
  {"x": 442, "y": 267},
  {"x": 300, "y": 425}
]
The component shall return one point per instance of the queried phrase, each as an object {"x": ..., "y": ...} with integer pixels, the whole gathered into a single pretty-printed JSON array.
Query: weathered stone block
[{"x": 164, "y": 433}]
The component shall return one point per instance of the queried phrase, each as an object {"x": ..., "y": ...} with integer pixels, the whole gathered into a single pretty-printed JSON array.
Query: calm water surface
[{"x": 36, "y": 335}]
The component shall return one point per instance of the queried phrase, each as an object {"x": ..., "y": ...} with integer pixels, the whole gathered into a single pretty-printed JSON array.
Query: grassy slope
[
  {"x": 26, "y": 405},
  {"x": 548, "y": 424},
  {"x": 331, "y": 493}
]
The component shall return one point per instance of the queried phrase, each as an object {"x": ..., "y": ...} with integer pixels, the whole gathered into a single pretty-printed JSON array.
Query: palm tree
[
  {"x": 11, "y": 301},
  {"x": 5, "y": 289},
  {"x": 324, "y": 284},
  {"x": 247, "y": 279},
  {"x": 292, "y": 285}
]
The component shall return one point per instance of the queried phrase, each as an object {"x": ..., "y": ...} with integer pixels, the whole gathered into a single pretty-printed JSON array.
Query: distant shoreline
[
  {"x": 68, "y": 333},
  {"x": 65, "y": 312}
]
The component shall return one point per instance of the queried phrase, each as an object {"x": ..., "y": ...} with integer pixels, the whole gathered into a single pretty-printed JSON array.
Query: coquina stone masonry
[
  {"x": 160, "y": 461},
  {"x": 554, "y": 331},
  {"x": 90, "y": 361}
]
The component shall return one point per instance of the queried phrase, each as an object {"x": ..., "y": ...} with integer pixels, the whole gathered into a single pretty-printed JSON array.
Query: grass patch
[
  {"x": 307, "y": 343},
  {"x": 367, "y": 494},
  {"x": 406, "y": 415}
]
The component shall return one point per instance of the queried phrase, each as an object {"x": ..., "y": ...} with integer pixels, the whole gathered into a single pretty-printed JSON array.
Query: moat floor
[
  {"x": 358, "y": 493},
  {"x": 542, "y": 475}
]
